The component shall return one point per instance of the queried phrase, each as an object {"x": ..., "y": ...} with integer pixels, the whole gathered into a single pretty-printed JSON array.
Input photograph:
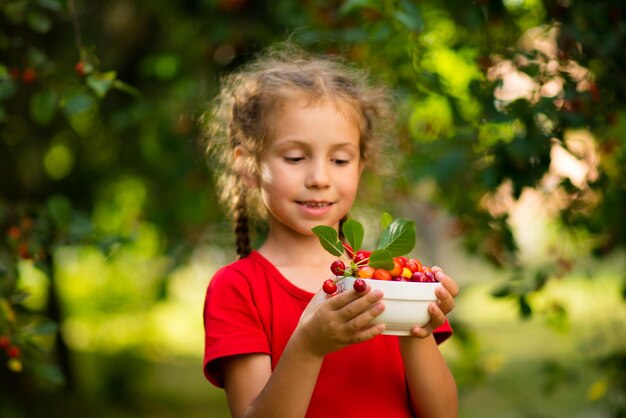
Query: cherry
[
  {"x": 80, "y": 68},
  {"x": 13, "y": 351},
  {"x": 349, "y": 250},
  {"x": 329, "y": 287},
  {"x": 414, "y": 265},
  {"x": 366, "y": 272},
  {"x": 361, "y": 257},
  {"x": 29, "y": 75},
  {"x": 418, "y": 276},
  {"x": 381, "y": 274},
  {"x": 360, "y": 285},
  {"x": 430, "y": 277},
  {"x": 397, "y": 267},
  {"x": 338, "y": 267}
]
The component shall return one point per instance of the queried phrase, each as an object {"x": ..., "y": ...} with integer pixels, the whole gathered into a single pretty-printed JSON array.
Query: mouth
[{"x": 314, "y": 204}]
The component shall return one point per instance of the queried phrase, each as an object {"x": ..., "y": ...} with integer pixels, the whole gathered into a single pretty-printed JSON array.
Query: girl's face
[{"x": 310, "y": 172}]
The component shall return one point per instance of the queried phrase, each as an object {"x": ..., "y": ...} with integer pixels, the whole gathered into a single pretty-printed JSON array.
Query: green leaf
[
  {"x": 126, "y": 88},
  {"x": 398, "y": 238},
  {"x": 43, "y": 105},
  {"x": 354, "y": 232},
  {"x": 381, "y": 259},
  {"x": 39, "y": 22},
  {"x": 385, "y": 220},
  {"x": 101, "y": 83},
  {"x": 329, "y": 239}
]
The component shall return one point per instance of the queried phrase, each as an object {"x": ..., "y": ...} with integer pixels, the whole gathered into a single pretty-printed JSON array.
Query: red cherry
[
  {"x": 414, "y": 265},
  {"x": 80, "y": 68},
  {"x": 362, "y": 257},
  {"x": 360, "y": 285},
  {"x": 13, "y": 351},
  {"x": 418, "y": 277},
  {"x": 14, "y": 232},
  {"x": 349, "y": 250},
  {"x": 338, "y": 268},
  {"x": 4, "y": 341},
  {"x": 381, "y": 274},
  {"x": 430, "y": 277},
  {"x": 29, "y": 75},
  {"x": 329, "y": 287}
]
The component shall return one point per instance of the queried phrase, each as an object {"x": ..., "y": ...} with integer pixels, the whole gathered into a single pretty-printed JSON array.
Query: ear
[{"x": 249, "y": 179}]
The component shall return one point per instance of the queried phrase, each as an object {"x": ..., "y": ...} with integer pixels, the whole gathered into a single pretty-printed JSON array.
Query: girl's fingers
[
  {"x": 445, "y": 301},
  {"x": 446, "y": 281},
  {"x": 437, "y": 318},
  {"x": 351, "y": 303}
]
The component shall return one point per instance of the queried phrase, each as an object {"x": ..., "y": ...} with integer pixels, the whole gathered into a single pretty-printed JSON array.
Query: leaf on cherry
[
  {"x": 398, "y": 238},
  {"x": 329, "y": 239},
  {"x": 354, "y": 232}
]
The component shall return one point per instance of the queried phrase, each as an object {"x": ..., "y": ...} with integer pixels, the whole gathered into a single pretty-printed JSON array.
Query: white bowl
[{"x": 406, "y": 303}]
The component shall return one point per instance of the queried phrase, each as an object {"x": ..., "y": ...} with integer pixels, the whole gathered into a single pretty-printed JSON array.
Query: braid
[{"x": 242, "y": 230}]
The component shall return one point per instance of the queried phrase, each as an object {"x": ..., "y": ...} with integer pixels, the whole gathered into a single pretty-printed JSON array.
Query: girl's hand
[
  {"x": 329, "y": 324},
  {"x": 445, "y": 303}
]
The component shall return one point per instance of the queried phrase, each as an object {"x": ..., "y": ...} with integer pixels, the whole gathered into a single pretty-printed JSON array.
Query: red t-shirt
[{"x": 250, "y": 307}]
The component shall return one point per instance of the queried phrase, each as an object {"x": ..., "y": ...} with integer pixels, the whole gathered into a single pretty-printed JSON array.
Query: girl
[{"x": 294, "y": 133}]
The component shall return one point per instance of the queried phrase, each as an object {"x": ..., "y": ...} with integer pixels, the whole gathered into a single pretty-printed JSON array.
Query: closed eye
[
  {"x": 340, "y": 162},
  {"x": 293, "y": 160}
]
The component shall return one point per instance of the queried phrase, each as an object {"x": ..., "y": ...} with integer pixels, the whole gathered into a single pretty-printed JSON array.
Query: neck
[{"x": 284, "y": 249}]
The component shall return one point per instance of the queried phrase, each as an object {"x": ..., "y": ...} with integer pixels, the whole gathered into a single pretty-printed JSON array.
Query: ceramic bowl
[{"x": 406, "y": 303}]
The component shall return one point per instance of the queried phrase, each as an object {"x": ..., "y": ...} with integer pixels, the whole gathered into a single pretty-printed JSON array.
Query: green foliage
[{"x": 98, "y": 137}]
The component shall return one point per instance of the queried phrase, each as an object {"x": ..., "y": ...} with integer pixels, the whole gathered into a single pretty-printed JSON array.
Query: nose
[{"x": 318, "y": 176}]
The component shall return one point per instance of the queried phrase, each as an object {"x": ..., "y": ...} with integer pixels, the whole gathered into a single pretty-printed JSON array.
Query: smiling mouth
[{"x": 315, "y": 204}]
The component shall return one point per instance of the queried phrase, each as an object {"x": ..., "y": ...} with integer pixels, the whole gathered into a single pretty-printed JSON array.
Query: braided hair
[{"x": 237, "y": 127}]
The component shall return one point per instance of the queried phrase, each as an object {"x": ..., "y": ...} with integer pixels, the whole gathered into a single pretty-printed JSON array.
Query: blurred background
[{"x": 510, "y": 157}]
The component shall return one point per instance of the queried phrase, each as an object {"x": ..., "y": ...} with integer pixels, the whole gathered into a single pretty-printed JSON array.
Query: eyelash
[{"x": 295, "y": 160}]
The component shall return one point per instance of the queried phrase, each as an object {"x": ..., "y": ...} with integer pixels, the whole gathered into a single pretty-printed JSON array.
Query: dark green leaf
[
  {"x": 354, "y": 232},
  {"x": 39, "y": 22},
  {"x": 381, "y": 259},
  {"x": 398, "y": 238},
  {"x": 43, "y": 105},
  {"x": 329, "y": 239}
]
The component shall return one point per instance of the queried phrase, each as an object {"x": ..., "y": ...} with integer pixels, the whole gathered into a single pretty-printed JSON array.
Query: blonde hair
[{"x": 240, "y": 119}]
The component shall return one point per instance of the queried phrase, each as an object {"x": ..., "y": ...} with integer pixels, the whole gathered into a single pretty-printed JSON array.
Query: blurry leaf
[
  {"x": 50, "y": 373},
  {"x": 77, "y": 100},
  {"x": 410, "y": 16},
  {"x": 385, "y": 220},
  {"x": 126, "y": 88},
  {"x": 381, "y": 259},
  {"x": 101, "y": 83},
  {"x": 15, "y": 11},
  {"x": 503, "y": 291},
  {"x": 60, "y": 209},
  {"x": 524, "y": 307},
  {"x": 7, "y": 88},
  {"x": 354, "y": 232},
  {"x": 39, "y": 22},
  {"x": 351, "y": 5},
  {"x": 47, "y": 327},
  {"x": 43, "y": 106},
  {"x": 54, "y": 5}
]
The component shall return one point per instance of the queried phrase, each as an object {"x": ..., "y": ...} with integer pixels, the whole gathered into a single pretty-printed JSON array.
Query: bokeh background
[{"x": 510, "y": 157}]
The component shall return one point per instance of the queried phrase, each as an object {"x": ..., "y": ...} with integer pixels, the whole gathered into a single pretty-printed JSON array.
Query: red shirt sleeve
[
  {"x": 443, "y": 332},
  {"x": 231, "y": 321}
]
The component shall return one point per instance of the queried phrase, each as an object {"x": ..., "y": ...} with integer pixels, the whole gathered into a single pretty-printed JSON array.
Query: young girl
[{"x": 294, "y": 133}]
